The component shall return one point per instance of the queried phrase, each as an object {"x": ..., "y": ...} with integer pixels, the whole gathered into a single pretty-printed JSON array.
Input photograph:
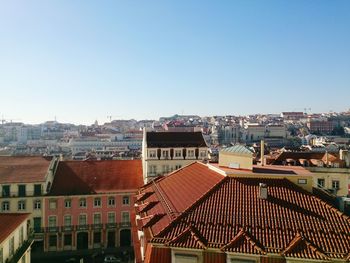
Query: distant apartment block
[
  {"x": 164, "y": 152},
  {"x": 320, "y": 126}
]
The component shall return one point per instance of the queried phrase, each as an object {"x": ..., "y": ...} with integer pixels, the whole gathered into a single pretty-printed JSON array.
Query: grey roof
[{"x": 238, "y": 148}]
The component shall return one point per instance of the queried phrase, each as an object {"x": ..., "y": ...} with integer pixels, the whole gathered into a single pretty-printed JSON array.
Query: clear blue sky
[{"x": 84, "y": 60}]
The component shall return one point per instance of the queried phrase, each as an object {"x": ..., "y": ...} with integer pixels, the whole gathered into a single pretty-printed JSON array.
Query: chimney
[
  {"x": 262, "y": 152},
  {"x": 263, "y": 191}
]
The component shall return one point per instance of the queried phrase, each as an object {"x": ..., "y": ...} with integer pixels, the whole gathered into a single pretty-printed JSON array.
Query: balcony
[
  {"x": 97, "y": 226},
  {"x": 111, "y": 225},
  {"x": 51, "y": 229},
  {"x": 71, "y": 228},
  {"x": 67, "y": 228},
  {"x": 83, "y": 227},
  {"x": 124, "y": 224},
  {"x": 20, "y": 251}
]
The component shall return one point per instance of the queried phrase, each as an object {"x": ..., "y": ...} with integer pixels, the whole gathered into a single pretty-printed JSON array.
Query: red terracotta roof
[
  {"x": 9, "y": 223},
  {"x": 232, "y": 217},
  {"x": 15, "y": 169},
  {"x": 175, "y": 192},
  {"x": 86, "y": 177}
]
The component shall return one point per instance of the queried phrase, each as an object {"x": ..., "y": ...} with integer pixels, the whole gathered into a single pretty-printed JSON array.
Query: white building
[
  {"x": 15, "y": 243},
  {"x": 164, "y": 152}
]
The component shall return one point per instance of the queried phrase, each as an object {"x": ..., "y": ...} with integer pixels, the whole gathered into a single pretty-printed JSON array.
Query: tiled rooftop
[
  {"x": 86, "y": 177},
  {"x": 172, "y": 194},
  {"x": 231, "y": 217},
  {"x": 15, "y": 169}
]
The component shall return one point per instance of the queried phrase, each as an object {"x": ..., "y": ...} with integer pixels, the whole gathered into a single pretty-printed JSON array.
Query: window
[
  {"x": 320, "y": 182},
  {"x": 203, "y": 154},
  {"x": 238, "y": 260},
  {"x": 67, "y": 220},
  {"x": 21, "y": 205},
  {"x": 21, "y": 190},
  {"x": 153, "y": 169},
  {"x": 37, "y": 189},
  {"x": 82, "y": 220},
  {"x": 152, "y": 154},
  {"x": 52, "y": 240},
  {"x": 37, "y": 204},
  {"x": 5, "y": 191},
  {"x": 5, "y": 206},
  {"x": 302, "y": 181},
  {"x": 186, "y": 258},
  {"x": 111, "y": 201},
  {"x": 97, "y": 237},
  {"x": 67, "y": 203},
  {"x": 12, "y": 246},
  {"x": 125, "y": 217},
  {"x": 111, "y": 217},
  {"x": 52, "y": 203},
  {"x": 126, "y": 200},
  {"x": 165, "y": 154},
  {"x": 82, "y": 202},
  {"x": 67, "y": 239},
  {"x": 52, "y": 221},
  {"x": 1, "y": 255},
  {"x": 177, "y": 166},
  {"x": 97, "y": 202},
  {"x": 335, "y": 184},
  {"x": 178, "y": 153},
  {"x": 190, "y": 153},
  {"x": 165, "y": 168},
  {"x": 21, "y": 235},
  {"x": 97, "y": 218}
]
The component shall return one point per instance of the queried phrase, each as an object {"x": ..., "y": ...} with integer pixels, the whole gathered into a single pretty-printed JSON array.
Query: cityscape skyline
[
  {"x": 85, "y": 60},
  {"x": 109, "y": 118}
]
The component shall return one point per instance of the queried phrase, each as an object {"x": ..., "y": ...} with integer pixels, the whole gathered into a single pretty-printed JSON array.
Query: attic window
[{"x": 302, "y": 181}]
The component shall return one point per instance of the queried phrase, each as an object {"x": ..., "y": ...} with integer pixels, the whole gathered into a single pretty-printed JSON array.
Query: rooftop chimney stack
[{"x": 263, "y": 191}]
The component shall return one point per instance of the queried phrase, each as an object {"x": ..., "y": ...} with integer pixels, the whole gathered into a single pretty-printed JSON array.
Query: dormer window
[
  {"x": 152, "y": 154},
  {"x": 190, "y": 153},
  {"x": 203, "y": 154},
  {"x": 178, "y": 153},
  {"x": 165, "y": 154}
]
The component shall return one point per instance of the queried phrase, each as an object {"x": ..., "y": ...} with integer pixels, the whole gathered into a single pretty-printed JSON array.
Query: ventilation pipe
[{"x": 263, "y": 191}]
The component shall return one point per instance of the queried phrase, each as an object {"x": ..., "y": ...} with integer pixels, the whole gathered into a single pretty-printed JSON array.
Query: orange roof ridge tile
[{"x": 162, "y": 177}]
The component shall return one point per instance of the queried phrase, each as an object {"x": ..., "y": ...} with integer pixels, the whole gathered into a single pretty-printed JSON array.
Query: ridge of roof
[
  {"x": 242, "y": 234},
  {"x": 148, "y": 221},
  {"x": 143, "y": 196},
  {"x": 191, "y": 233},
  {"x": 162, "y": 177},
  {"x": 146, "y": 206},
  {"x": 298, "y": 240}
]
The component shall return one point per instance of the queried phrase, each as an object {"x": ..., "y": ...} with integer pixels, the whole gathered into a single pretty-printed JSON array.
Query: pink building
[{"x": 90, "y": 204}]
